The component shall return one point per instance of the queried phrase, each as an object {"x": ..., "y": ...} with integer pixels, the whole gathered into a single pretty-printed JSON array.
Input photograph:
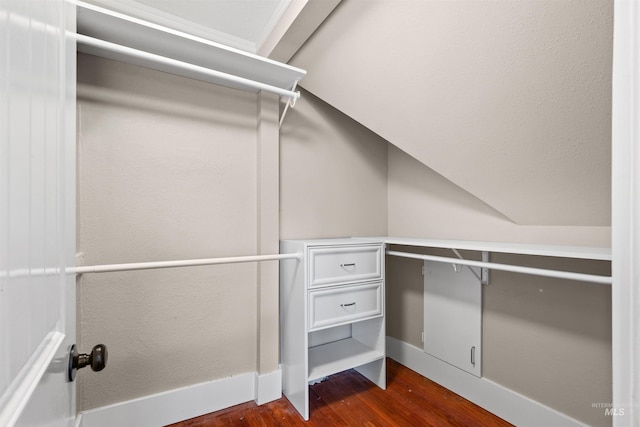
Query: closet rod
[
  {"x": 603, "y": 280},
  {"x": 108, "y": 268},
  {"x": 174, "y": 63}
]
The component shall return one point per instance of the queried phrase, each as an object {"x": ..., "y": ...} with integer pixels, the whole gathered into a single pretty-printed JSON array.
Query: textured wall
[
  {"x": 167, "y": 170},
  {"x": 550, "y": 339},
  {"x": 423, "y": 203},
  {"x": 333, "y": 175},
  {"x": 510, "y": 100},
  {"x": 547, "y": 339},
  {"x": 338, "y": 179},
  {"x": 540, "y": 324}
]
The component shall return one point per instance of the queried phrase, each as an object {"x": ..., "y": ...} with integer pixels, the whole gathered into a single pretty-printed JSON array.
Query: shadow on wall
[
  {"x": 125, "y": 85},
  {"x": 333, "y": 174},
  {"x": 550, "y": 339},
  {"x": 576, "y": 308},
  {"x": 414, "y": 177},
  {"x": 422, "y": 203}
]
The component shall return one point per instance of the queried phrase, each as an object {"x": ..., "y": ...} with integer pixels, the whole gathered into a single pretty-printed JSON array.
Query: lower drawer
[{"x": 344, "y": 304}]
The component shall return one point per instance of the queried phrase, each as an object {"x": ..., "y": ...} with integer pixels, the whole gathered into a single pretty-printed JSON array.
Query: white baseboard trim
[
  {"x": 505, "y": 403},
  {"x": 268, "y": 387},
  {"x": 186, "y": 402}
]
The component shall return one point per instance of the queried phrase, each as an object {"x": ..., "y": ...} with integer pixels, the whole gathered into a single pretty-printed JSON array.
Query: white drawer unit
[{"x": 331, "y": 313}]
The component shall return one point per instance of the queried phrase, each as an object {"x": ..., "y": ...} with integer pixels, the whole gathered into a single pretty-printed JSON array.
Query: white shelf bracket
[
  {"x": 458, "y": 267},
  {"x": 484, "y": 271},
  {"x": 291, "y": 102}
]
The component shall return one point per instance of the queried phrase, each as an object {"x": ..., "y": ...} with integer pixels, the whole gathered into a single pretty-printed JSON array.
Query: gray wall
[
  {"x": 508, "y": 105},
  {"x": 547, "y": 339},
  {"x": 510, "y": 100},
  {"x": 167, "y": 169},
  {"x": 423, "y": 203},
  {"x": 550, "y": 339},
  {"x": 333, "y": 175}
]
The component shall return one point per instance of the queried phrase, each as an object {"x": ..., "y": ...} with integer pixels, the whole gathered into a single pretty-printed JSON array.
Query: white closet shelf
[
  {"x": 328, "y": 359},
  {"x": 580, "y": 252},
  {"x": 117, "y": 29},
  {"x": 577, "y": 252}
]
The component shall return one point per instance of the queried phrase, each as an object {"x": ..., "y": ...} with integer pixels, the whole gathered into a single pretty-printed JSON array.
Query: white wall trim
[
  {"x": 186, "y": 402},
  {"x": 505, "y": 403},
  {"x": 625, "y": 232},
  {"x": 268, "y": 387}
]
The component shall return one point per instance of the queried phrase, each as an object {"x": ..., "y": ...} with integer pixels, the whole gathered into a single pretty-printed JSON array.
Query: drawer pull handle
[
  {"x": 348, "y": 305},
  {"x": 351, "y": 264}
]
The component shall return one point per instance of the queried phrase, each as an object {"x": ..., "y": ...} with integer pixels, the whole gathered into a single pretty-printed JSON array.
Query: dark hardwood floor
[{"x": 349, "y": 399}]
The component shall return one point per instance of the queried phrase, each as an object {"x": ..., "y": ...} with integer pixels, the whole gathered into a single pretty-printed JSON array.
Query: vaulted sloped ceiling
[{"x": 509, "y": 100}]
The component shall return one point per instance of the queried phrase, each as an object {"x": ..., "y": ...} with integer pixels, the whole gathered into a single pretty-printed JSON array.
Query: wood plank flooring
[{"x": 349, "y": 399}]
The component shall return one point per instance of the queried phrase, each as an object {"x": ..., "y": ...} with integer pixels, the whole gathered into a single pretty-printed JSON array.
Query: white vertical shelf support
[{"x": 484, "y": 271}]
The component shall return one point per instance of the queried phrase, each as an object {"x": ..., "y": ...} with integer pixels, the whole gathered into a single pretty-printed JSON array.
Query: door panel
[
  {"x": 453, "y": 315},
  {"x": 37, "y": 211}
]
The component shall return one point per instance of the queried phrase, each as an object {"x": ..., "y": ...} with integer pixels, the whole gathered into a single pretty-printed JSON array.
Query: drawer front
[
  {"x": 344, "y": 304},
  {"x": 344, "y": 264}
]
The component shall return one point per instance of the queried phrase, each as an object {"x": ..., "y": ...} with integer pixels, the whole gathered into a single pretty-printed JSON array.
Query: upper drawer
[{"x": 340, "y": 264}]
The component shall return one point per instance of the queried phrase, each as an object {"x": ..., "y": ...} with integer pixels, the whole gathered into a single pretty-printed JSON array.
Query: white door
[
  {"x": 37, "y": 211},
  {"x": 453, "y": 315}
]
